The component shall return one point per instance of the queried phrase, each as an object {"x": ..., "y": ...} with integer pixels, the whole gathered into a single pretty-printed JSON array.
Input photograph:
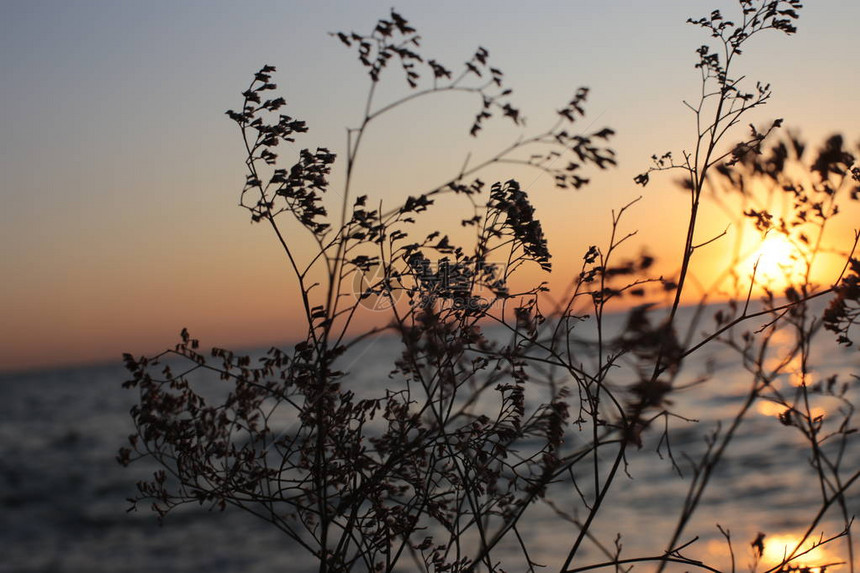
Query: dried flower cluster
[{"x": 435, "y": 467}]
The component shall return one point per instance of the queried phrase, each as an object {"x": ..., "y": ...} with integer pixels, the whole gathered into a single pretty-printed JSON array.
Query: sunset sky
[{"x": 121, "y": 174}]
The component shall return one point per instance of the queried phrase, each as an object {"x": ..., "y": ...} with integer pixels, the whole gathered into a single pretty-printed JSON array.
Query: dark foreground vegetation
[{"x": 440, "y": 471}]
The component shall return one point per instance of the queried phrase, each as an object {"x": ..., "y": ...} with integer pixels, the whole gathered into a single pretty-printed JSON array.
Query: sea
[{"x": 64, "y": 508}]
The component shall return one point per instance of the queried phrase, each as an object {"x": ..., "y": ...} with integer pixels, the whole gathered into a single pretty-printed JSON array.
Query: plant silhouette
[{"x": 495, "y": 405}]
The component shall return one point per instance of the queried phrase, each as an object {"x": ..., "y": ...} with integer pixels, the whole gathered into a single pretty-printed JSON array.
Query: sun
[{"x": 777, "y": 262}]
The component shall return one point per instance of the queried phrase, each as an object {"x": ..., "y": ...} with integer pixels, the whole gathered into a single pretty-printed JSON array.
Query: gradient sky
[{"x": 120, "y": 173}]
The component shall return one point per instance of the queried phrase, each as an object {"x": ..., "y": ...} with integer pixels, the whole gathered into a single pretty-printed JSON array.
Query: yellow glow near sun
[
  {"x": 777, "y": 262},
  {"x": 776, "y": 547}
]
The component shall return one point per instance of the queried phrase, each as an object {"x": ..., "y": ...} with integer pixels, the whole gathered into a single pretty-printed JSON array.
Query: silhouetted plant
[
  {"x": 475, "y": 425},
  {"x": 813, "y": 189}
]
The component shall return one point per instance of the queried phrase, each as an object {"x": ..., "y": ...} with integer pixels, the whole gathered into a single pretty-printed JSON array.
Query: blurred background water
[{"x": 63, "y": 508}]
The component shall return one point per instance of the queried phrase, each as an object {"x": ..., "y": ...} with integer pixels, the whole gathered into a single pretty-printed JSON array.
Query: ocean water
[{"x": 63, "y": 496}]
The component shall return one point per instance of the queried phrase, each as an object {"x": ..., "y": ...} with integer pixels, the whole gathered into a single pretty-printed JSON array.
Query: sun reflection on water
[
  {"x": 775, "y": 410},
  {"x": 811, "y": 557},
  {"x": 778, "y": 547},
  {"x": 768, "y": 408}
]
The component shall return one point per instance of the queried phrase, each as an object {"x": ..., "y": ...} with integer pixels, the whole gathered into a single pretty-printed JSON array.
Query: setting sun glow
[{"x": 777, "y": 262}]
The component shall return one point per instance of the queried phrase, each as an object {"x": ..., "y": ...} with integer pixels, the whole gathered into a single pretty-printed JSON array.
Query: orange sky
[{"x": 120, "y": 174}]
